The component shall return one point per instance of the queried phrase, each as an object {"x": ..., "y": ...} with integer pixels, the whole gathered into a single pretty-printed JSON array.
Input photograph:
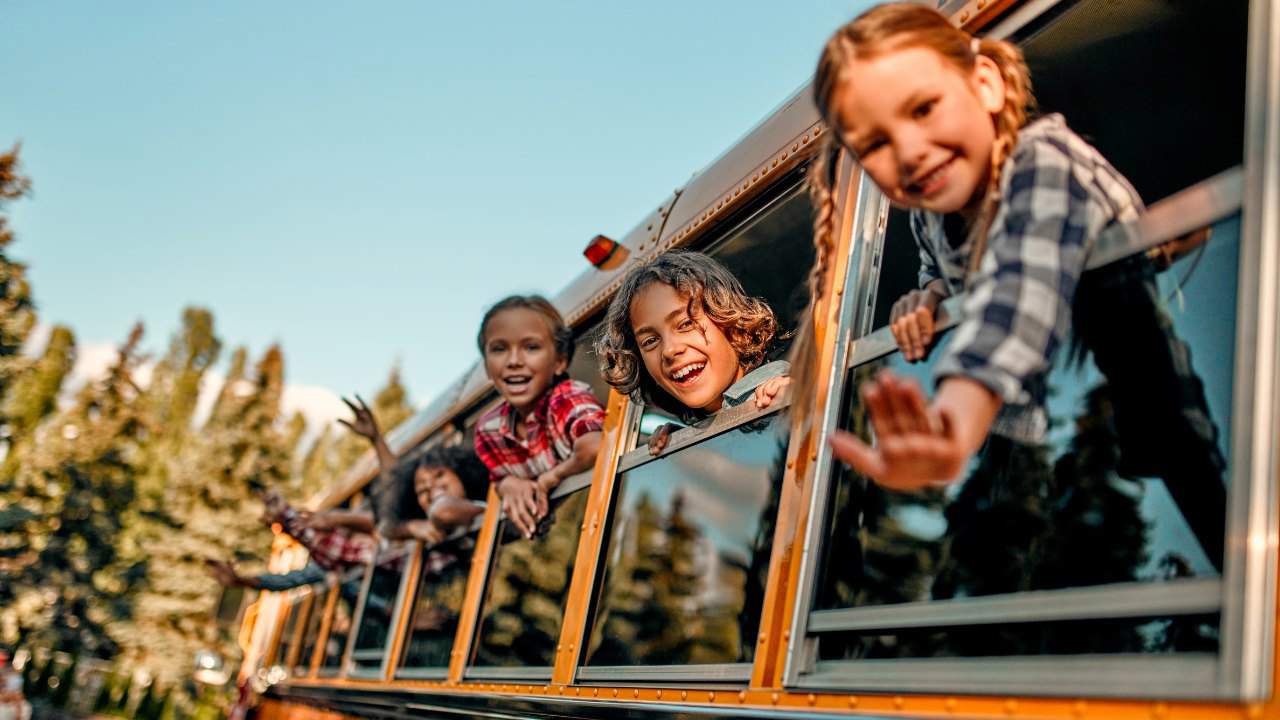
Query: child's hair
[
  {"x": 747, "y": 322},
  {"x": 561, "y": 334},
  {"x": 883, "y": 29},
  {"x": 401, "y": 500}
]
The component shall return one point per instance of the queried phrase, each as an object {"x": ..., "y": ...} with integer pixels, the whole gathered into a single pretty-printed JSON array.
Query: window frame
[
  {"x": 1245, "y": 592},
  {"x": 331, "y": 611},
  {"x": 409, "y": 551}
]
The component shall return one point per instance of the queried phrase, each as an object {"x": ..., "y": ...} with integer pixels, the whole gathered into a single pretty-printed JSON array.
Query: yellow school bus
[{"x": 1123, "y": 567}]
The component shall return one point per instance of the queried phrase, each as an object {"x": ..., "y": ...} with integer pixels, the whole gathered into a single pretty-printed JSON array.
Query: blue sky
[{"x": 358, "y": 181}]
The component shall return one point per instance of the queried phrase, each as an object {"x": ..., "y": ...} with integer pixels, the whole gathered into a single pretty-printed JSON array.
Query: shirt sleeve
[
  {"x": 1018, "y": 309},
  {"x": 308, "y": 574},
  {"x": 575, "y": 411}
]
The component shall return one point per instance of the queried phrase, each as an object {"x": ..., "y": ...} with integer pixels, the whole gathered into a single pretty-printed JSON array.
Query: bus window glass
[
  {"x": 1129, "y": 115},
  {"x": 377, "y": 617},
  {"x": 335, "y": 644},
  {"x": 689, "y": 542},
  {"x": 1127, "y": 485},
  {"x": 311, "y": 633},
  {"x": 771, "y": 253},
  {"x": 527, "y": 588},
  {"x": 442, "y": 586}
]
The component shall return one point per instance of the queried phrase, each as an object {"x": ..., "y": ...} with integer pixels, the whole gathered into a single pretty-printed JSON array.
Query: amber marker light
[{"x": 600, "y": 249}]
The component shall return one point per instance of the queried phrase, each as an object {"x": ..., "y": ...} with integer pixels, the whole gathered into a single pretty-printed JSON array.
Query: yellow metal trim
[
  {"x": 468, "y": 620},
  {"x": 399, "y": 631}
]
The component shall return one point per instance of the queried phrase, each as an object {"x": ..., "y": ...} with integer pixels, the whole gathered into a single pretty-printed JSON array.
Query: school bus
[{"x": 1124, "y": 567}]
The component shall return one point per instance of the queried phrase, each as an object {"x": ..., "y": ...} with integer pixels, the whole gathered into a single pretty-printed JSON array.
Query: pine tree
[
  {"x": 78, "y": 484},
  {"x": 17, "y": 313}
]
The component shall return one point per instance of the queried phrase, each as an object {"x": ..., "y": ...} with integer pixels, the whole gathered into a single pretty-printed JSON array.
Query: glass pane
[
  {"x": 524, "y": 600},
  {"x": 379, "y": 609},
  {"x": 320, "y": 595},
  {"x": 340, "y": 627},
  {"x": 441, "y": 589},
  {"x": 1128, "y": 485},
  {"x": 771, "y": 255},
  {"x": 1158, "y": 636},
  {"x": 689, "y": 544},
  {"x": 1126, "y": 115}
]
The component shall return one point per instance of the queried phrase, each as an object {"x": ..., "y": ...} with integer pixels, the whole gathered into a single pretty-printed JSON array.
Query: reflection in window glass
[
  {"x": 319, "y": 599},
  {"x": 377, "y": 617},
  {"x": 524, "y": 601},
  {"x": 335, "y": 644},
  {"x": 688, "y": 551},
  {"x": 1154, "y": 636},
  {"x": 442, "y": 587},
  {"x": 1128, "y": 485}
]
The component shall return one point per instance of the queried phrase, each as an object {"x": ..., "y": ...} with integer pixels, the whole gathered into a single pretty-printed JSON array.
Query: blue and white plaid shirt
[{"x": 1057, "y": 194}]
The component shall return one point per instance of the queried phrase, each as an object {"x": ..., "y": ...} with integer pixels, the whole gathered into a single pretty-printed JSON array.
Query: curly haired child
[{"x": 683, "y": 334}]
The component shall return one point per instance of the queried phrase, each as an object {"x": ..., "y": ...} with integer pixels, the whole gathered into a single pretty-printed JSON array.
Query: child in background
[
  {"x": 548, "y": 426},
  {"x": 699, "y": 337},
  {"x": 1001, "y": 208},
  {"x": 440, "y": 492}
]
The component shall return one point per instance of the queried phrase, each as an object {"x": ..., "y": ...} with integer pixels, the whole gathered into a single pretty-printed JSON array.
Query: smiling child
[
  {"x": 700, "y": 338},
  {"x": 547, "y": 426}
]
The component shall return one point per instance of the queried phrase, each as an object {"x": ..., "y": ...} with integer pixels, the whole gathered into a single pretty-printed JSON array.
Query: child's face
[
  {"x": 431, "y": 482},
  {"x": 520, "y": 357},
  {"x": 920, "y": 128},
  {"x": 688, "y": 357}
]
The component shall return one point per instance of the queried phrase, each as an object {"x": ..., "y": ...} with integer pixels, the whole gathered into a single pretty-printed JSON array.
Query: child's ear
[
  {"x": 988, "y": 84},
  {"x": 562, "y": 365}
]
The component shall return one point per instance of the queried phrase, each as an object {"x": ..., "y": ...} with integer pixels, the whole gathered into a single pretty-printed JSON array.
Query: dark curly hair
[
  {"x": 399, "y": 501},
  {"x": 561, "y": 334},
  {"x": 747, "y": 322}
]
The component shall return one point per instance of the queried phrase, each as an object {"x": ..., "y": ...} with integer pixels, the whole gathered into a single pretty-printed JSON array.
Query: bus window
[
  {"x": 528, "y": 584},
  {"x": 377, "y": 614},
  {"x": 689, "y": 541},
  {"x": 437, "y": 603},
  {"x": 335, "y": 645},
  {"x": 311, "y": 633},
  {"x": 1126, "y": 490},
  {"x": 770, "y": 251}
]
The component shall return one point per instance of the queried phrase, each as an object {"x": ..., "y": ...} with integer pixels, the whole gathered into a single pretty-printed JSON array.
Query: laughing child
[
  {"x": 683, "y": 334},
  {"x": 548, "y": 426}
]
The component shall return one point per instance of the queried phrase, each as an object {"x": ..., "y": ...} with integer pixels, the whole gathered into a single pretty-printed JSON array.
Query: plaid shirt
[
  {"x": 566, "y": 412},
  {"x": 334, "y": 550},
  {"x": 1057, "y": 194}
]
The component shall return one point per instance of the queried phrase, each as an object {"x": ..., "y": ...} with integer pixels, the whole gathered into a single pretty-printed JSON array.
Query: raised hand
[
  {"x": 912, "y": 322},
  {"x": 916, "y": 445},
  {"x": 660, "y": 437},
  {"x": 362, "y": 422}
]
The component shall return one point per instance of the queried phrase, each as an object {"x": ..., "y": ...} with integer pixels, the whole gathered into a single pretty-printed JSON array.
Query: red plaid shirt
[
  {"x": 334, "y": 550},
  {"x": 565, "y": 413}
]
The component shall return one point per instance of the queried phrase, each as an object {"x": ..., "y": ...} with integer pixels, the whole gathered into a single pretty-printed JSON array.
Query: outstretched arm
[
  {"x": 918, "y": 445},
  {"x": 365, "y": 425},
  {"x": 585, "y": 448}
]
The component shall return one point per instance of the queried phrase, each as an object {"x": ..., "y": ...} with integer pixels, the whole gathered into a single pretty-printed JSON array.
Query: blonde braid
[
  {"x": 1018, "y": 100},
  {"x": 804, "y": 350}
]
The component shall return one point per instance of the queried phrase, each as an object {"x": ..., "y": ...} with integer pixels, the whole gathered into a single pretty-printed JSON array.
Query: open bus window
[
  {"x": 689, "y": 543},
  {"x": 1127, "y": 486},
  {"x": 437, "y": 603},
  {"x": 311, "y": 632},
  {"x": 348, "y": 590},
  {"x": 377, "y": 615},
  {"x": 528, "y": 584}
]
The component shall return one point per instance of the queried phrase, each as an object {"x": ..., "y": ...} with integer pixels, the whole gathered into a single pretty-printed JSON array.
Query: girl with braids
[
  {"x": 682, "y": 334},
  {"x": 1001, "y": 208}
]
